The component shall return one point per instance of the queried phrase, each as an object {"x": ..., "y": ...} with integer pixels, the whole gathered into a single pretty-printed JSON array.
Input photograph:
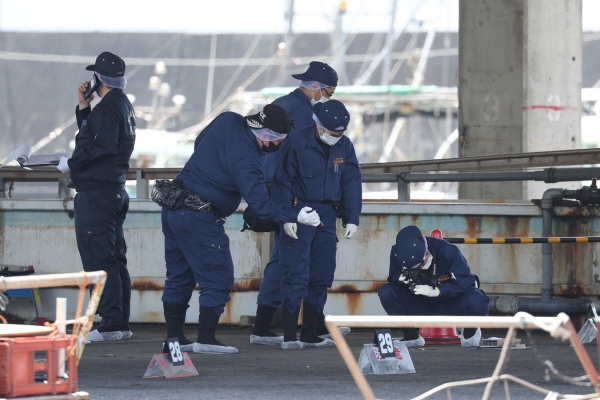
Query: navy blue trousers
[
  {"x": 270, "y": 287},
  {"x": 99, "y": 217},
  {"x": 197, "y": 251},
  {"x": 308, "y": 262},
  {"x": 397, "y": 299}
]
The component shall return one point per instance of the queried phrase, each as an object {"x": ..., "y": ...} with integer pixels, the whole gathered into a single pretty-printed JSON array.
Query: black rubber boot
[
  {"x": 410, "y": 334},
  {"x": 175, "y": 320},
  {"x": 310, "y": 319},
  {"x": 290, "y": 323},
  {"x": 321, "y": 328},
  {"x": 262, "y": 323},
  {"x": 208, "y": 321},
  {"x": 469, "y": 332}
]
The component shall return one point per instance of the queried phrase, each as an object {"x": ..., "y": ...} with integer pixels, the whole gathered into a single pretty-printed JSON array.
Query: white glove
[
  {"x": 402, "y": 279},
  {"x": 350, "y": 230},
  {"x": 426, "y": 290},
  {"x": 62, "y": 165},
  {"x": 307, "y": 216},
  {"x": 290, "y": 229}
]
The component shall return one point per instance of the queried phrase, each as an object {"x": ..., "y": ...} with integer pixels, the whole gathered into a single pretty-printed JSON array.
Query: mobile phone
[{"x": 91, "y": 88}]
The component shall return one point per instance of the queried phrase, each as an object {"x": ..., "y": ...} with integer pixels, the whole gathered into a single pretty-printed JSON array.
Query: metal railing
[{"x": 504, "y": 167}]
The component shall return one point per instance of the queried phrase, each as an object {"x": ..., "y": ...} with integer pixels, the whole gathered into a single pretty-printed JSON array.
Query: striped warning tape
[{"x": 583, "y": 239}]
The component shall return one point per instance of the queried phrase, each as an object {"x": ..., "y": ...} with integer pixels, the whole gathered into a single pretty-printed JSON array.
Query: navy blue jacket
[
  {"x": 452, "y": 273},
  {"x": 299, "y": 109},
  {"x": 104, "y": 143},
  {"x": 226, "y": 166},
  {"x": 306, "y": 172}
]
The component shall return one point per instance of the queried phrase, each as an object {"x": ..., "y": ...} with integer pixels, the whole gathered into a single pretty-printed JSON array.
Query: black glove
[{"x": 253, "y": 223}]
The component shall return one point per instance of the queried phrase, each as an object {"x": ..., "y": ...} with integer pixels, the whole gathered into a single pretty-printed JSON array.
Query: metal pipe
[
  {"x": 548, "y": 175},
  {"x": 547, "y": 206},
  {"x": 514, "y": 304}
]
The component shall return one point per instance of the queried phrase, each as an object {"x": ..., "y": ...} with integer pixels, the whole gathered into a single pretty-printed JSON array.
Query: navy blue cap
[
  {"x": 320, "y": 72},
  {"x": 108, "y": 64},
  {"x": 333, "y": 115},
  {"x": 410, "y": 247}
]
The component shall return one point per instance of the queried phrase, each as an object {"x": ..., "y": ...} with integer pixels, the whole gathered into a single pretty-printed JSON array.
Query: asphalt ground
[{"x": 114, "y": 370}]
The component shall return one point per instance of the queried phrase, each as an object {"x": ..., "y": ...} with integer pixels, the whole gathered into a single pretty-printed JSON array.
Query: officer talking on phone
[{"x": 98, "y": 166}]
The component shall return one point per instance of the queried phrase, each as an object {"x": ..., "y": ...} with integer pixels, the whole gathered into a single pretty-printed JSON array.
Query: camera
[{"x": 416, "y": 277}]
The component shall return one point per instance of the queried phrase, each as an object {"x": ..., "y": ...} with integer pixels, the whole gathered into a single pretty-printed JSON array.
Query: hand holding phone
[{"x": 91, "y": 88}]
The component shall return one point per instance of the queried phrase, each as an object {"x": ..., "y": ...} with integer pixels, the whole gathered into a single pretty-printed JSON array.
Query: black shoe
[
  {"x": 290, "y": 323},
  {"x": 175, "y": 320},
  {"x": 308, "y": 334},
  {"x": 184, "y": 345},
  {"x": 262, "y": 323},
  {"x": 206, "y": 341},
  {"x": 208, "y": 321},
  {"x": 310, "y": 319}
]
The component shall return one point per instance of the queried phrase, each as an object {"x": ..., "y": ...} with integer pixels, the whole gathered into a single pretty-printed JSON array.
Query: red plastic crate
[{"x": 19, "y": 365}]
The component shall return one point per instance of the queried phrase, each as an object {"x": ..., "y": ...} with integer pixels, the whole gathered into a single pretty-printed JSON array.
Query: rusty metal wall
[{"x": 40, "y": 233}]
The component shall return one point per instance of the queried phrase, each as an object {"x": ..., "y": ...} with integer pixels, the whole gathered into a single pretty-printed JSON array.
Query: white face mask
[
  {"x": 428, "y": 263},
  {"x": 328, "y": 139},
  {"x": 323, "y": 99}
]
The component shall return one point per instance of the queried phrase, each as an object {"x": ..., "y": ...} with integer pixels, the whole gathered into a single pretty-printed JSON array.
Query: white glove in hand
[
  {"x": 62, "y": 165},
  {"x": 402, "y": 279},
  {"x": 307, "y": 216},
  {"x": 350, "y": 230},
  {"x": 290, "y": 229},
  {"x": 426, "y": 290}
]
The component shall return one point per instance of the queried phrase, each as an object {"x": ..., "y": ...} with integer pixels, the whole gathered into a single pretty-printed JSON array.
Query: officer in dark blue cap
[
  {"x": 98, "y": 166},
  {"x": 317, "y": 85},
  {"x": 318, "y": 167},
  {"x": 225, "y": 166},
  {"x": 430, "y": 276}
]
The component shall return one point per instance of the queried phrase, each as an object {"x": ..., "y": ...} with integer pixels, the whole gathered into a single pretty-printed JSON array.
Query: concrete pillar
[
  {"x": 552, "y": 62},
  {"x": 490, "y": 94},
  {"x": 519, "y": 84}
]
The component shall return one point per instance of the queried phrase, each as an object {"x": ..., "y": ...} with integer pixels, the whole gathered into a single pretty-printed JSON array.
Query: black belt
[{"x": 174, "y": 196}]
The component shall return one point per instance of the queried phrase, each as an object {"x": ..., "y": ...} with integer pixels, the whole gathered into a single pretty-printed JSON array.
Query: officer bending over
[
  {"x": 445, "y": 285},
  {"x": 225, "y": 166},
  {"x": 318, "y": 167}
]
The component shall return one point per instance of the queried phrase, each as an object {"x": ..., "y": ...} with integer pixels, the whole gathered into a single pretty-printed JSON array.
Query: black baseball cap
[
  {"x": 108, "y": 64},
  {"x": 320, "y": 72},
  {"x": 273, "y": 117}
]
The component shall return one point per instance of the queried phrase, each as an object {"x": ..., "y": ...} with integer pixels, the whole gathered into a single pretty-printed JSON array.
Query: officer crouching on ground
[
  {"x": 318, "y": 168},
  {"x": 445, "y": 285},
  {"x": 225, "y": 166}
]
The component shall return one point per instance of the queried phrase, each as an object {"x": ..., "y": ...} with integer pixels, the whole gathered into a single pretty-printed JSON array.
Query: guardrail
[{"x": 506, "y": 167}]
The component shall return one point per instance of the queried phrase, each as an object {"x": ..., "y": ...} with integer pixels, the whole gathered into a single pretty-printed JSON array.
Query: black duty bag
[
  {"x": 168, "y": 194},
  {"x": 253, "y": 223}
]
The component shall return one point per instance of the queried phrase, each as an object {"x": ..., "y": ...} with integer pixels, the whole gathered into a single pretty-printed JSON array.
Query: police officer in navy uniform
[
  {"x": 317, "y": 85},
  {"x": 98, "y": 166},
  {"x": 448, "y": 287},
  {"x": 225, "y": 166},
  {"x": 317, "y": 168}
]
